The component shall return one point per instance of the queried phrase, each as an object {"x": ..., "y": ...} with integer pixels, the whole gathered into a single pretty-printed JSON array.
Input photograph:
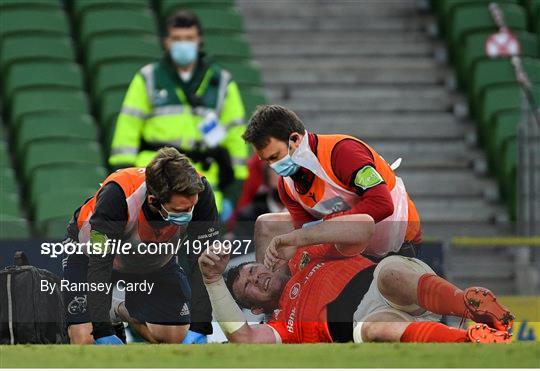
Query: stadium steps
[
  {"x": 390, "y": 93},
  {"x": 369, "y": 69}
]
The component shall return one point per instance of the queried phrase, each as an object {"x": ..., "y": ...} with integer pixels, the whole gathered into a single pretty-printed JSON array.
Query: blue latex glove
[
  {"x": 193, "y": 337},
  {"x": 109, "y": 340}
]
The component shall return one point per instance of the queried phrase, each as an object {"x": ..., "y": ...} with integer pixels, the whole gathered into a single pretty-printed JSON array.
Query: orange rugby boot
[
  {"x": 482, "y": 306},
  {"x": 483, "y": 334}
]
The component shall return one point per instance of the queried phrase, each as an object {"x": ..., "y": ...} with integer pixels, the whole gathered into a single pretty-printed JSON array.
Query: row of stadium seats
[
  {"x": 53, "y": 136},
  {"x": 57, "y": 110},
  {"x": 13, "y": 223},
  {"x": 494, "y": 95}
]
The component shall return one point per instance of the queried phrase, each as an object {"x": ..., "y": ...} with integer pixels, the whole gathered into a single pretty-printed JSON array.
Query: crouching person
[{"x": 166, "y": 202}]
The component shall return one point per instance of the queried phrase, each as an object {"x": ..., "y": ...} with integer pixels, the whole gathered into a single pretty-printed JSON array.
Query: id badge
[{"x": 213, "y": 133}]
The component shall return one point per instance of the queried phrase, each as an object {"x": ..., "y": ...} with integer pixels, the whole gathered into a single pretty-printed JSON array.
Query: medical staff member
[
  {"x": 168, "y": 201},
  {"x": 324, "y": 176},
  {"x": 188, "y": 102}
]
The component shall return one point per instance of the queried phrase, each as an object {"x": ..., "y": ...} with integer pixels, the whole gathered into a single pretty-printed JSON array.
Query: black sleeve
[
  {"x": 203, "y": 227},
  {"x": 99, "y": 302},
  {"x": 109, "y": 218},
  {"x": 111, "y": 211}
]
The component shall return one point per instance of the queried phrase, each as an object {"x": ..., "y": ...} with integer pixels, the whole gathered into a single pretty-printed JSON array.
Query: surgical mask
[
  {"x": 180, "y": 219},
  {"x": 184, "y": 52},
  {"x": 286, "y": 166}
]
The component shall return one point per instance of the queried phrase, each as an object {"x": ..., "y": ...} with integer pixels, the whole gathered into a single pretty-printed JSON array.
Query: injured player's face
[{"x": 258, "y": 288}]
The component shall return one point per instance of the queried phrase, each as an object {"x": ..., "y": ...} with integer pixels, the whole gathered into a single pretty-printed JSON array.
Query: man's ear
[
  {"x": 152, "y": 200},
  {"x": 257, "y": 311}
]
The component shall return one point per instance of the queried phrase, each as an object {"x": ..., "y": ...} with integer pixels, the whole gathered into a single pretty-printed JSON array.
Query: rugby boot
[{"x": 483, "y": 307}]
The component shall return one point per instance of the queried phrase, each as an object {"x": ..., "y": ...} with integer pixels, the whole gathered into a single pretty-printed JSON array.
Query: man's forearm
[{"x": 342, "y": 230}]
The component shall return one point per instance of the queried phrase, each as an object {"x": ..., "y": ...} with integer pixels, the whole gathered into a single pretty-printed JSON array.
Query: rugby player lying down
[{"x": 330, "y": 293}]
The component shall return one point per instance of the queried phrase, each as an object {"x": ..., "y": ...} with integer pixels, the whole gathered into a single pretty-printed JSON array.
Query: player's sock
[
  {"x": 439, "y": 296},
  {"x": 433, "y": 332}
]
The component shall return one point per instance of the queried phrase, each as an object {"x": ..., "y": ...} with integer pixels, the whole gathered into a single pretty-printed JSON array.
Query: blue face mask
[
  {"x": 184, "y": 53},
  {"x": 285, "y": 166},
  {"x": 180, "y": 219}
]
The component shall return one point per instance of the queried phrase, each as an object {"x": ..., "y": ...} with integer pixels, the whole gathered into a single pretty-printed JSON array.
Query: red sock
[
  {"x": 433, "y": 332},
  {"x": 439, "y": 296}
]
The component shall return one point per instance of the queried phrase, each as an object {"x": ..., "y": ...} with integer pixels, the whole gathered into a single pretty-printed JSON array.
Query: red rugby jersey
[{"x": 319, "y": 274}]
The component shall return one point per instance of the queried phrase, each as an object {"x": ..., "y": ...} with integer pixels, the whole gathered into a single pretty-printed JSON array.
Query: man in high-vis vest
[
  {"x": 136, "y": 237},
  {"x": 184, "y": 101},
  {"x": 324, "y": 176}
]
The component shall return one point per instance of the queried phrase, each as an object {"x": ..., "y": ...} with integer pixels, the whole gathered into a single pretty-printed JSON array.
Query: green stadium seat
[
  {"x": 497, "y": 98},
  {"x": 227, "y": 48},
  {"x": 4, "y": 158},
  {"x": 79, "y": 7},
  {"x": 60, "y": 151},
  {"x": 43, "y": 74},
  {"x": 33, "y": 21},
  {"x": 252, "y": 98},
  {"x": 96, "y": 22},
  {"x": 490, "y": 71},
  {"x": 7, "y": 179},
  {"x": 444, "y": 8},
  {"x": 64, "y": 177},
  {"x": 55, "y": 228},
  {"x": 54, "y": 125},
  {"x": 46, "y": 100},
  {"x": 474, "y": 49},
  {"x": 13, "y": 228},
  {"x": 219, "y": 21},
  {"x": 493, "y": 71},
  {"x": 503, "y": 125},
  {"x": 111, "y": 104},
  {"x": 245, "y": 74},
  {"x": 168, "y": 7},
  {"x": 533, "y": 8},
  {"x": 508, "y": 179},
  {"x": 55, "y": 204},
  {"x": 10, "y": 204},
  {"x": 35, "y": 48},
  {"x": 29, "y": 4},
  {"x": 470, "y": 18},
  {"x": 140, "y": 49},
  {"x": 113, "y": 75}
]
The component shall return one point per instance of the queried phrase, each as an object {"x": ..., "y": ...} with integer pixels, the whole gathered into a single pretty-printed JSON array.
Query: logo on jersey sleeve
[
  {"x": 295, "y": 290},
  {"x": 304, "y": 260},
  {"x": 367, "y": 177}
]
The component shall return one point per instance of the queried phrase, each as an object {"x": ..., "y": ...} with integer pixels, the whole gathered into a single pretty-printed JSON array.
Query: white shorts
[{"x": 373, "y": 301}]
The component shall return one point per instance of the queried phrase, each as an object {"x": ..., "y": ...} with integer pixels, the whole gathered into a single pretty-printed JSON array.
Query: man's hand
[
  {"x": 280, "y": 250},
  {"x": 212, "y": 263}
]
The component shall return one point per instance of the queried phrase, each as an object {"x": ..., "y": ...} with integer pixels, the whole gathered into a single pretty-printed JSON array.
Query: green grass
[{"x": 233, "y": 355}]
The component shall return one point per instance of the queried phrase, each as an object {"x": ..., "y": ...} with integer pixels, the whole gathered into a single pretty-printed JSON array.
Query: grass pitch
[{"x": 263, "y": 356}]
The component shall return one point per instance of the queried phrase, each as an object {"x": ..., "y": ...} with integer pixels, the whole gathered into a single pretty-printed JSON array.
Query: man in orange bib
[
  {"x": 325, "y": 176},
  {"x": 148, "y": 211},
  {"x": 331, "y": 293}
]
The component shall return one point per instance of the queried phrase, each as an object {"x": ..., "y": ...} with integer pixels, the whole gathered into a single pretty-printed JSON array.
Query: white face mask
[{"x": 286, "y": 166}]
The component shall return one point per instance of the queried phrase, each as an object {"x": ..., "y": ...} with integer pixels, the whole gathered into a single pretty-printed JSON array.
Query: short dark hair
[
  {"x": 232, "y": 276},
  {"x": 183, "y": 19},
  {"x": 170, "y": 172},
  {"x": 272, "y": 121}
]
